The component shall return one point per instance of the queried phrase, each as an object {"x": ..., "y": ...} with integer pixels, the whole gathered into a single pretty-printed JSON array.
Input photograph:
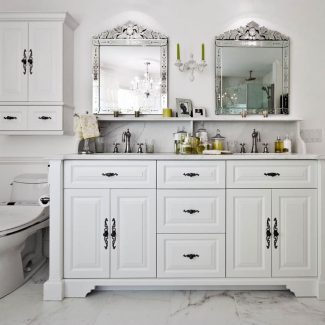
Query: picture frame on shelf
[
  {"x": 184, "y": 107},
  {"x": 199, "y": 112}
]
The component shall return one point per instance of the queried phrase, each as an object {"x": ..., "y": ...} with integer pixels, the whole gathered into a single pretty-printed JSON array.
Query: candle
[
  {"x": 203, "y": 52},
  {"x": 178, "y": 52}
]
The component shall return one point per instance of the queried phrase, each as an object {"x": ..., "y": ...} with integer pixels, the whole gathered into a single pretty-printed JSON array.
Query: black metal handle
[
  {"x": 8, "y": 117},
  {"x": 271, "y": 174},
  {"x": 191, "y": 211},
  {"x": 191, "y": 174},
  {"x": 30, "y": 61},
  {"x": 276, "y": 233},
  {"x": 191, "y": 256},
  {"x": 113, "y": 233},
  {"x": 268, "y": 233},
  {"x": 45, "y": 117},
  {"x": 24, "y": 61},
  {"x": 105, "y": 234},
  {"x": 109, "y": 174}
]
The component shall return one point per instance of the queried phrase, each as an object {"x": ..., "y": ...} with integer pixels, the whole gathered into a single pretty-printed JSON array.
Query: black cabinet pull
[
  {"x": 191, "y": 256},
  {"x": 24, "y": 61},
  {"x": 45, "y": 117},
  {"x": 105, "y": 234},
  {"x": 8, "y": 117},
  {"x": 113, "y": 233},
  {"x": 191, "y": 211},
  {"x": 271, "y": 174},
  {"x": 191, "y": 174},
  {"x": 276, "y": 233},
  {"x": 109, "y": 174},
  {"x": 30, "y": 61},
  {"x": 268, "y": 233}
]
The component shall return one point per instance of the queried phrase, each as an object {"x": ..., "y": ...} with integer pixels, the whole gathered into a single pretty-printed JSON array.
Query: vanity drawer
[
  {"x": 45, "y": 118},
  {"x": 13, "y": 118},
  {"x": 272, "y": 174},
  {"x": 109, "y": 174},
  {"x": 191, "y": 174},
  {"x": 191, "y": 256},
  {"x": 191, "y": 211}
]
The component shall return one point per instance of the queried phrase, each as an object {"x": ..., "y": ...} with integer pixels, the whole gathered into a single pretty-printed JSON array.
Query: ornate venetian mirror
[
  {"x": 252, "y": 71},
  {"x": 130, "y": 70}
]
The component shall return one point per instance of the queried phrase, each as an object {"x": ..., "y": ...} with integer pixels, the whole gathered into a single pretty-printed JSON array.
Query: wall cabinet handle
[
  {"x": 113, "y": 233},
  {"x": 109, "y": 174},
  {"x": 8, "y": 117},
  {"x": 271, "y": 174},
  {"x": 45, "y": 117},
  {"x": 30, "y": 61},
  {"x": 105, "y": 234},
  {"x": 191, "y": 174},
  {"x": 191, "y": 211},
  {"x": 24, "y": 61},
  {"x": 191, "y": 256},
  {"x": 275, "y": 233},
  {"x": 268, "y": 233}
]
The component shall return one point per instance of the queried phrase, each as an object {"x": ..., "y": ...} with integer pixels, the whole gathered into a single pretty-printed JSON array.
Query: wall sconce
[{"x": 191, "y": 65}]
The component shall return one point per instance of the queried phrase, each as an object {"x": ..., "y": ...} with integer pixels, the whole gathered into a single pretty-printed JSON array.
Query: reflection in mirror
[
  {"x": 129, "y": 71},
  {"x": 252, "y": 72}
]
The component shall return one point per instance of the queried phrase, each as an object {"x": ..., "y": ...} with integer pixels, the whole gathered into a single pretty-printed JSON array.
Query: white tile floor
[{"x": 25, "y": 306}]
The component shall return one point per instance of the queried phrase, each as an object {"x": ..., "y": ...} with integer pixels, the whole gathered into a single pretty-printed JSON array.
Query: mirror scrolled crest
[
  {"x": 121, "y": 57},
  {"x": 252, "y": 71}
]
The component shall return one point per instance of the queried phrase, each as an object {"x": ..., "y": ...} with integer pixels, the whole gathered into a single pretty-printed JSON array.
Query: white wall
[{"x": 190, "y": 22}]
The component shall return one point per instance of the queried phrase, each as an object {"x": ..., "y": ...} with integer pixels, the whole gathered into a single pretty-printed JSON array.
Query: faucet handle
[
  {"x": 242, "y": 149},
  {"x": 116, "y": 144},
  {"x": 140, "y": 147},
  {"x": 266, "y": 149}
]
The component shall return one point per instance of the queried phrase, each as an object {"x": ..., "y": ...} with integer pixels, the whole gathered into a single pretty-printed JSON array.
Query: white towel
[{"x": 87, "y": 126}]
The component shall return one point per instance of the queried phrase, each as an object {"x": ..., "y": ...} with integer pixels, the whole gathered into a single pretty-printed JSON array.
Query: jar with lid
[
  {"x": 179, "y": 138},
  {"x": 218, "y": 141}
]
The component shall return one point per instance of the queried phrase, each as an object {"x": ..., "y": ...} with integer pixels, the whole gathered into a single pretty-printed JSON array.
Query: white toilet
[{"x": 21, "y": 251}]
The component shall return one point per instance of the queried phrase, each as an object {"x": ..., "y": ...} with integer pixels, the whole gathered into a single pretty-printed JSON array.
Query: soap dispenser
[
  {"x": 278, "y": 145},
  {"x": 287, "y": 144}
]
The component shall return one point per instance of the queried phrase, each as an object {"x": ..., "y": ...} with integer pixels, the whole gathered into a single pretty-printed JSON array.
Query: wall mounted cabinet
[{"x": 36, "y": 72}]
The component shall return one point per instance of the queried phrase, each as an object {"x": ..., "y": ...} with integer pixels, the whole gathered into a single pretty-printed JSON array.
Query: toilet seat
[{"x": 15, "y": 218}]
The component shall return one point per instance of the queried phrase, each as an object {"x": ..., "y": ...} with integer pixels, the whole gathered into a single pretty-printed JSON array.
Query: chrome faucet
[
  {"x": 256, "y": 138},
  {"x": 126, "y": 136}
]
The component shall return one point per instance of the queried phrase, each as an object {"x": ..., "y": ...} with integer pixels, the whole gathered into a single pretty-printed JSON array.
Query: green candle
[
  {"x": 178, "y": 52},
  {"x": 203, "y": 52}
]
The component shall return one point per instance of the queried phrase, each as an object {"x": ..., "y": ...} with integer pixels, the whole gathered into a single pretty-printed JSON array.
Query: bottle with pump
[
  {"x": 278, "y": 145},
  {"x": 287, "y": 144}
]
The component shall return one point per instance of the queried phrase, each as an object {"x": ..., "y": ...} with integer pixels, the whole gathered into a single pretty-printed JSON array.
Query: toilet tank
[{"x": 29, "y": 187}]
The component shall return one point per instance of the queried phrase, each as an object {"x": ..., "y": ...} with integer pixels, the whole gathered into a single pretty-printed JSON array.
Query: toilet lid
[{"x": 14, "y": 218}]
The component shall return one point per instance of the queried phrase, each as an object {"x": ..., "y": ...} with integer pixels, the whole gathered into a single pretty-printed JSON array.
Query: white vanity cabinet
[
  {"x": 36, "y": 72},
  {"x": 109, "y": 232}
]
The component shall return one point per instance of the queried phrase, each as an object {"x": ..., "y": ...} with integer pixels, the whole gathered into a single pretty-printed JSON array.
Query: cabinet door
[
  {"x": 133, "y": 215},
  {"x": 86, "y": 217},
  {"x": 248, "y": 251},
  {"x": 13, "y": 46},
  {"x": 295, "y": 217},
  {"x": 45, "y": 49}
]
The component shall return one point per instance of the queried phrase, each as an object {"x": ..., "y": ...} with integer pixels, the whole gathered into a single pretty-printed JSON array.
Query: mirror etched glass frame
[
  {"x": 252, "y": 36},
  {"x": 129, "y": 35}
]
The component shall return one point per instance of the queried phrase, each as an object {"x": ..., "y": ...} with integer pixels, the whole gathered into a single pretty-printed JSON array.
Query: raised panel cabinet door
[
  {"x": 13, "y": 54},
  {"x": 248, "y": 244},
  {"x": 294, "y": 252},
  {"x": 133, "y": 230},
  {"x": 45, "y": 57},
  {"x": 86, "y": 233}
]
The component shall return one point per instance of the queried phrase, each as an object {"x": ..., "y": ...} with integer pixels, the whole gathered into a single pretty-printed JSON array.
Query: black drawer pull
[
  {"x": 191, "y": 174},
  {"x": 191, "y": 211},
  {"x": 109, "y": 174},
  {"x": 45, "y": 118},
  {"x": 191, "y": 256},
  {"x": 105, "y": 233},
  {"x": 10, "y": 117},
  {"x": 271, "y": 174}
]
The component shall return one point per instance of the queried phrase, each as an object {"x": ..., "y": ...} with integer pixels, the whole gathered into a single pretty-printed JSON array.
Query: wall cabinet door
[
  {"x": 86, "y": 214},
  {"x": 295, "y": 217},
  {"x": 248, "y": 252},
  {"x": 45, "y": 49},
  {"x": 13, "y": 48},
  {"x": 133, "y": 215}
]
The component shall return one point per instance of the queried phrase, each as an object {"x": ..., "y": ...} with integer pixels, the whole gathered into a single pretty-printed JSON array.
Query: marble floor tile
[{"x": 25, "y": 307}]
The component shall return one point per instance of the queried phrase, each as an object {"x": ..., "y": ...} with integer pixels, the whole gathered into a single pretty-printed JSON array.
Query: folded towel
[{"x": 87, "y": 126}]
